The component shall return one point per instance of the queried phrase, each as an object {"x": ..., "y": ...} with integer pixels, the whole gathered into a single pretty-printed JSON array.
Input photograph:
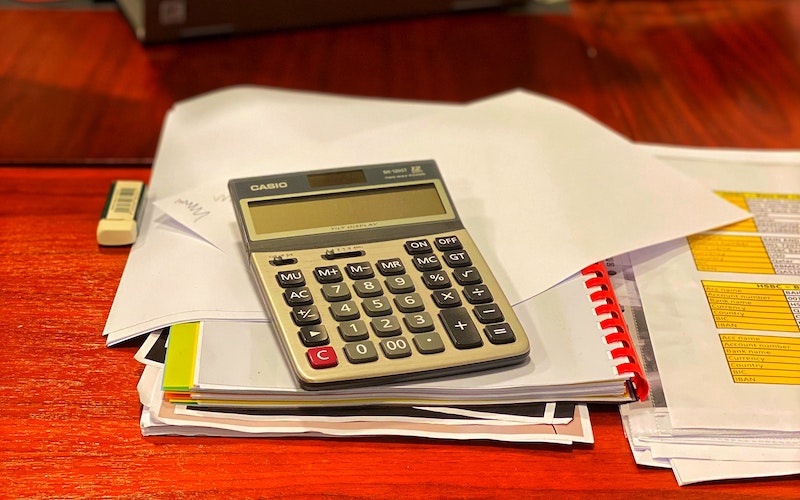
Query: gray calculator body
[{"x": 370, "y": 277}]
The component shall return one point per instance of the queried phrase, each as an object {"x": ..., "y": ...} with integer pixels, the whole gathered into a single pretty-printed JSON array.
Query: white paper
[
  {"x": 569, "y": 361},
  {"x": 696, "y": 378},
  {"x": 247, "y": 127},
  {"x": 690, "y": 471},
  {"x": 536, "y": 184},
  {"x": 712, "y": 428},
  {"x": 693, "y": 369},
  {"x": 478, "y": 412},
  {"x": 727, "y": 450},
  {"x": 162, "y": 418},
  {"x": 173, "y": 275}
]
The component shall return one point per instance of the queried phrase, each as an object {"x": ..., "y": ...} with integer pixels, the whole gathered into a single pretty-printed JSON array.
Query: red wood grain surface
[{"x": 76, "y": 88}]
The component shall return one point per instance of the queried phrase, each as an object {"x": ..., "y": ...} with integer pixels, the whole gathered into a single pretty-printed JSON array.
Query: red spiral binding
[{"x": 598, "y": 278}]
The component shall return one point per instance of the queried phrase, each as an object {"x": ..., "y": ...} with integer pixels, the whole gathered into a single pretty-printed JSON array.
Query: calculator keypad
[{"x": 396, "y": 308}]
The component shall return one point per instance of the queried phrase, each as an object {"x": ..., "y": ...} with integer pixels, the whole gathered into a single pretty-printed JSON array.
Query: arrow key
[{"x": 312, "y": 336}]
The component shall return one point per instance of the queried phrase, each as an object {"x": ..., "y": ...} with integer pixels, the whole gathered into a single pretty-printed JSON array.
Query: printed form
[{"x": 723, "y": 306}]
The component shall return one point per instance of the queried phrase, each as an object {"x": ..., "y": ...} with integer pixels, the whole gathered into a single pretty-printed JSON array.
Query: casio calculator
[{"x": 370, "y": 277}]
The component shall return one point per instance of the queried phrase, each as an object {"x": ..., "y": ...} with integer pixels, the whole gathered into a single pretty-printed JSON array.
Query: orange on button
[{"x": 322, "y": 357}]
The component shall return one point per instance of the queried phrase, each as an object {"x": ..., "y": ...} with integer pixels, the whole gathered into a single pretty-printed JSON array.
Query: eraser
[{"x": 119, "y": 223}]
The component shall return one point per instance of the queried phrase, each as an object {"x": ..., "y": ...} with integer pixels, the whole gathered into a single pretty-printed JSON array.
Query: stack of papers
[
  {"x": 718, "y": 320},
  {"x": 240, "y": 364},
  {"x": 555, "y": 423},
  {"x": 544, "y": 191}
]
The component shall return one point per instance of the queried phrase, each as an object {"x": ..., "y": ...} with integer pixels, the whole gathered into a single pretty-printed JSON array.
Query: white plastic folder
[{"x": 543, "y": 189}]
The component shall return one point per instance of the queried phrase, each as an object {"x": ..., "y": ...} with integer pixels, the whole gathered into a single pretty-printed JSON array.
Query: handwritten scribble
[{"x": 195, "y": 209}]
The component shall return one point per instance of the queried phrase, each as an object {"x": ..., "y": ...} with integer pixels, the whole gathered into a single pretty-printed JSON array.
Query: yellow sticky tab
[{"x": 181, "y": 357}]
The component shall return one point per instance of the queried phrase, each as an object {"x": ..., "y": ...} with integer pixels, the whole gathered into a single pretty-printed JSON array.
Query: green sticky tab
[{"x": 181, "y": 357}]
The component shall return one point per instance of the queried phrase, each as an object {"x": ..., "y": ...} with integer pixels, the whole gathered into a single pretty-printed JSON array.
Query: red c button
[{"x": 322, "y": 357}]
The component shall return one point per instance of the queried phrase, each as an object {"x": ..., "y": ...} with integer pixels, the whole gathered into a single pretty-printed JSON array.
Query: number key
[
  {"x": 361, "y": 352},
  {"x": 353, "y": 330},
  {"x": 335, "y": 292},
  {"x": 410, "y": 302},
  {"x": 395, "y": 348},
  {"x": 418, "y": 322},
  {"x": 400, "y": 284},
  {"x": 387, "y": 326},
  {"x": 344, "y": 311},
  {"x": 428, "y": 343},
  {"x": 377, "y": 306},
  {"x": 368, "y": 288}
]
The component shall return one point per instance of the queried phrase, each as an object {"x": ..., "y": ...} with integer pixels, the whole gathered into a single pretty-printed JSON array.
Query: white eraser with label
[{"x": 119, "y": 223}]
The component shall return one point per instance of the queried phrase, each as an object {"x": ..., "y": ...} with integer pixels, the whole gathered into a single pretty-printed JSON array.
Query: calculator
[{"x": 370, "y": 277}]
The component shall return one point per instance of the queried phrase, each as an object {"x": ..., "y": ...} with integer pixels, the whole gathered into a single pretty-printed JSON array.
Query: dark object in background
[{"x": 169, "y": 20}]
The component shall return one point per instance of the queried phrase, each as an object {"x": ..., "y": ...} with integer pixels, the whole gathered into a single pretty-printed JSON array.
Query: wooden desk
[{"x": 75, "y": 88}]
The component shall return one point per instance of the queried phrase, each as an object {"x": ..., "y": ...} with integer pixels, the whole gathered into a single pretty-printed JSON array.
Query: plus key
[{"x": 460, "y": 328}]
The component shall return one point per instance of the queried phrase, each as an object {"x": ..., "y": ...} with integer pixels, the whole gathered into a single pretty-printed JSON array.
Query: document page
[
  {"x": 533, "y": 181},
  {"x": 723, "y": 306}
]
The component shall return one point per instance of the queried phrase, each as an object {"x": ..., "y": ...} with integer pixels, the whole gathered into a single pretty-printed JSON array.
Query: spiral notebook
[{"x": 581, "y": 350}]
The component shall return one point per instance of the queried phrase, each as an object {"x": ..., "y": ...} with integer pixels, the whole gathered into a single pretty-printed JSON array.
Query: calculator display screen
[
  {"x": 345, "y": 210},
  {"x": 340, "y": 178}
]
